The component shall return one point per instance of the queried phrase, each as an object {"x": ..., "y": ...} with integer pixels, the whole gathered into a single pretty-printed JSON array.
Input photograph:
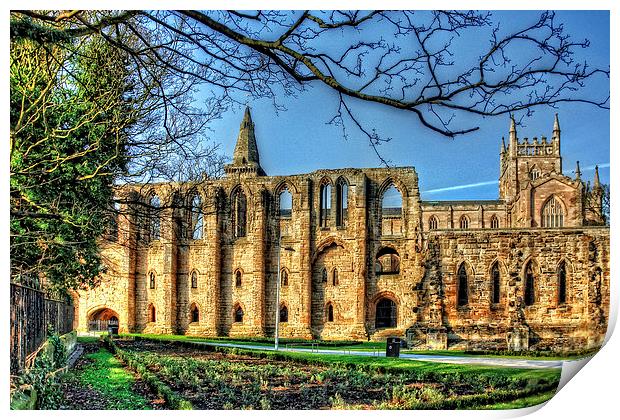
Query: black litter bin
[{"x": 393, "y": 347}]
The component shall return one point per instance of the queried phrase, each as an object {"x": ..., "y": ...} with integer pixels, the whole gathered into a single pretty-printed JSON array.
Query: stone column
[
  {"x": 168, "y": 324},
  {"x": 360, "y": 255},
  {"x": 138, "y": 269},
  {"x": 305, "y": 257},
  {"x": 258, "y": 239},
  {"x": 213, "y": 233}
]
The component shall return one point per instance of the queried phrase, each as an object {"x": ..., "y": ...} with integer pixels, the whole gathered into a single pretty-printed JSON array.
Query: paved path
[{"x": 473, "y": 360}]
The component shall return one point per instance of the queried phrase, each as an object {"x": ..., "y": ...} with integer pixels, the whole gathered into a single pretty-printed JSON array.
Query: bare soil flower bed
[{"x": 236, "y": 379}]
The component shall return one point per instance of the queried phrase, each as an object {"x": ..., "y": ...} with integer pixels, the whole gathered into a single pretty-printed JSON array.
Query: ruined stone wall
[
  {"x": 112, "y": 291},
  {"x": 479, "y": 323},
  {"x": 398, "y": 287},
  {"x": 424, "y": 288}
]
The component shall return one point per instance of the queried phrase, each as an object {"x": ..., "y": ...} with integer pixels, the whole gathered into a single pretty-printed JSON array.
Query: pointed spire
[
  {"x": 247, "y": 118},
  {"x": 512, "y": 138},
  {"x": 503, "y": 146},
  {"x": 597, "y": 180},
  {"x": 556, "y": 136},
  {"x": 577, "y": 172},
  {"x": 246, "y": 150}
]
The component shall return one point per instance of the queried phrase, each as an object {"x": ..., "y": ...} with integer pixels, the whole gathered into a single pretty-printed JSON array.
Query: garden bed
[{"x": 204, "y": 377}]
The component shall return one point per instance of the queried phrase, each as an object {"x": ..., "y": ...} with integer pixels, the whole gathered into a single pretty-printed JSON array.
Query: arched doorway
[
  {"x": 101, "y": 318},
  {"x": 385, "y": 313}
]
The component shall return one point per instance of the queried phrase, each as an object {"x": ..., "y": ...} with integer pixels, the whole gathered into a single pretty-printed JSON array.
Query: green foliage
[
  {"x": 59, "y": 352},
  {"x": 42, "y": 379},
  {"x": 69, "y": 121},
  {"x": 107, "y": 375},
  {"x": 138, "y": 365}
]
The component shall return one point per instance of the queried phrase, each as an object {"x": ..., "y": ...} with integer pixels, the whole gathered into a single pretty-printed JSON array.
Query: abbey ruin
[{"x": 527, "y": 271}]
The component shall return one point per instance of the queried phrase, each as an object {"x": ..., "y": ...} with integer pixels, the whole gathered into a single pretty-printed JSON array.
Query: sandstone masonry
[{"x": 361, "y": 256}]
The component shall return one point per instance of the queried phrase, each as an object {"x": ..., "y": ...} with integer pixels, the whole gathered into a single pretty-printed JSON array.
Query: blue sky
[{"x": 298, "y": 140}]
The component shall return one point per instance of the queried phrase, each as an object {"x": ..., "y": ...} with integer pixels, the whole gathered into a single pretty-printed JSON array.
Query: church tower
[
  {"x": 526, "y": 160},
  {"x": 246, "y": 161}
]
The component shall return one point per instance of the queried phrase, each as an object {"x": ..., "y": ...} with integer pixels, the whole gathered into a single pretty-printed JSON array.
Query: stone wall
[
  {"x": 551, "y": 325},
  {"x": 423, "y": 289}
]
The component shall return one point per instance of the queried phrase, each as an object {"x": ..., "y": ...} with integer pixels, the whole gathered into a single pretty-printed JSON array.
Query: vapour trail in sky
[{"x": 485, "y": 183}]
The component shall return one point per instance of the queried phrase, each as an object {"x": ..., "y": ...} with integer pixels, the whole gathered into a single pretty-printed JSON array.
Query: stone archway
[
  {"x": 100, "y": 318},
  {"x": 385, "y": 313}
]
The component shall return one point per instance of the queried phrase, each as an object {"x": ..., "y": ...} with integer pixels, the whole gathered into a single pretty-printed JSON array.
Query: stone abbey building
[{"x": 527, "y": 271}]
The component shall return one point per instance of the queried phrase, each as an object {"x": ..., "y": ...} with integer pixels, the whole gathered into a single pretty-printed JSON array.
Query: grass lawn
[
  {"x": 369, "y": 346},
  {"x": 108, "y": 381}
]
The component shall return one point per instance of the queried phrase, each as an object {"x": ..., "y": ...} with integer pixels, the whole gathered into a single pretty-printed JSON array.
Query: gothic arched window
[
  {"x": 154, "y": 218},
  {"x": 152, "y": 313},
  {"x": 195, "y": 313},
  {"x": 432, "y": 223},
  {"x": 385, "y": 314},
  {"x": 464, "y": 222},
  {"x": 238, "y": 314},
  {"x": 495, "y": 281},
  {"x": 552, "y": 213},
  {"x": 342, "y": 198},
  {"x": 335, "y": 277},
  {"x": 389, "y": 261},
  {"x": 462, "y": 291},
  {"x": 562, "y": 283},
  {"x": 194, "y": 280},
  {"x": 286, "y": 204},
  {"x": 197, "y": 218},
  {"x": 329, "y": 312},
  {"x": 324, "y": 275},
  {"x": 529, "y": 295},
  {"x": 283, "y": 313},
  {"x": 239, "y": 213},
  {"x": 238, "y": 278},
  {"x": 284, "y": 277},
  {"x": 391, "y": 212},
  {"x": 152, "y": 280},
  {"x": 325, "y": 203},
  {"x": 494, "y": 222}
]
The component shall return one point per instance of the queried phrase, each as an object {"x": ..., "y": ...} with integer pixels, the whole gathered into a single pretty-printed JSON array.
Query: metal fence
[{"x": 31, "y": 315}]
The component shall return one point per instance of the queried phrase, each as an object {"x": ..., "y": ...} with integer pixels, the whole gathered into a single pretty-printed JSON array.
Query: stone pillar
[
  {"x": 258, "y": 239},
  {"x": 360, "y": 263},
  {"x": 139, "y": 270},
  {"x": 168, "y": 305},
  {"x": 305, "y": 256},
  {"x": 213, "y": 234}
]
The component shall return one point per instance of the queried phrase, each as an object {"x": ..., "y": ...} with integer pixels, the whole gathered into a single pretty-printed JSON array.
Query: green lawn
[
  {"x": 369, "y": 346},
  {"x": 112, "y": 381},
  {"x": 374, "y": 362}
]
